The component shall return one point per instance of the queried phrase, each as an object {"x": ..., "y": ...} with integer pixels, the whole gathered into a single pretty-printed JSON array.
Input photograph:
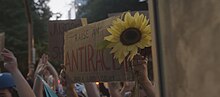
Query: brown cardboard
[
  {"x": 56, "y": 31},
  {"x": 85, "y": 62}
]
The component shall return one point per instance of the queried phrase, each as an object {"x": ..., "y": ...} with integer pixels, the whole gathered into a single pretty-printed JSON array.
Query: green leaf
[{"x": 103, "y": 44}]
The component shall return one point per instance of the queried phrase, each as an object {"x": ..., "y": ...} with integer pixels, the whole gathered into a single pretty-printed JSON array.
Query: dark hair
[{"x": 13, "y": 92}]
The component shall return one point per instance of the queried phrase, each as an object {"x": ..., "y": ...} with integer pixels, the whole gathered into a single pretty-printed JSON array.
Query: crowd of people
[{"x": 45, "y": 76}]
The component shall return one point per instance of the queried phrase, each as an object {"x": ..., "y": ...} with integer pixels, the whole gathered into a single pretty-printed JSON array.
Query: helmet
[{"x": 6, "y": 80}]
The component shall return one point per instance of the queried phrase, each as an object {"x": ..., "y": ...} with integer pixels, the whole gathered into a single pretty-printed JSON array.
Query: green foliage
[
  {"x": 96, "y": 10},
  {"x": 103, "y": 44},
  {"x": 13, "y": 22}
]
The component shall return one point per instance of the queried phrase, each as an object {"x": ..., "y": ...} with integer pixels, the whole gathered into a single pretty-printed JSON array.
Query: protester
[
  {"x": 50, "y": 73},
  {"x": 14, "y": 79},
  {"x": 80, "y": 89},
  {"x": 92, "y": 89},
  {"x": 114, "y": 89},
  {"x": 38, "y": 84},
  {"x": 30, "y": 78},
  {"x": 104, "y": 91},
  {"x": 44, "y": 69},
  {"x": 62, "y": 75},
  {"x": 140, "y": 68},
  {"x": 127, "y": 88}
]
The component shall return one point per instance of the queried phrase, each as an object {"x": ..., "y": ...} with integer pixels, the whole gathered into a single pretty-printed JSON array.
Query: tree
[
  {"x": 96, "y": 10},
  {"x": 14, "y": 23}
]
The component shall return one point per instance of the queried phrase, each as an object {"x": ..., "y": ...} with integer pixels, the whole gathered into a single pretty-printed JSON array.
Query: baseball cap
[{"x": 6, "y": 80}]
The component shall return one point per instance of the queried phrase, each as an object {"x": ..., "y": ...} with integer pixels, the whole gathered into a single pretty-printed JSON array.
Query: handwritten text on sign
[
  {"x": 86, "y": 63},
  {"x": 56, "y": 36}
]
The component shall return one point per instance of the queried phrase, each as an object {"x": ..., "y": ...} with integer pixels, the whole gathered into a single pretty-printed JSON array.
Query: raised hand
[
  {"x": 42, "y": 65},
  {"x": 10, "y": 60},
  {"x": 140, "y": 67}
]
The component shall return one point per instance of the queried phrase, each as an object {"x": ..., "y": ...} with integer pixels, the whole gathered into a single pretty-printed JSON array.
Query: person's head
[
  {"x": 46, "y": 71},
  {"x": 7, "y": 86}
]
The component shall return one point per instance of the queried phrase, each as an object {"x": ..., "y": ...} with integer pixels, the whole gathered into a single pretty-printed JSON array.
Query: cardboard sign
[
  {"x": 84, "y": 62},
  {"x": 56, "y": 31}
]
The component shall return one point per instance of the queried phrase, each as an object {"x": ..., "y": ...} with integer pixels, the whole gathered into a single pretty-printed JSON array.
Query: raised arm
[
  {"x": 53, "y": 71},
  {"x": 92, "y": 89},
  {"x": 23, "y": 88},
  {"x": 38, "y": 85},
  {"x": 127, "y": 87},
  {"x": 114, "y": 89},
  {"x": 140, "y": 67}
]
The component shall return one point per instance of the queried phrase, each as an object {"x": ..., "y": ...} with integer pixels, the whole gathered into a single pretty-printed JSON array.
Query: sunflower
[{"x": 128, "y": 35}]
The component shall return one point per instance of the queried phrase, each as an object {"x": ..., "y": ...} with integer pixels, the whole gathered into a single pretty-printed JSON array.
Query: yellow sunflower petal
[
  {"x": 114, "y": 31},
  {"x": 111, "y": 45},
  {"x": 119, "y": 23},
  {"x": 148, "y": 36},
  {"x": 119, "y": 56},
  {"x": 124, "y": 50},
  {"x": 131, "y": 47},
  {"x": 139, "y": 20},
  {"x": 143, "y": 26},
  {"x": 140, "y": 45},
  {"x": 144, "y": 22},
  {"x": 120, "y": 60},
  {"x": 128, "y": 20},
  {"x": 116, "y": 55},
  {"x": 112, "y": 38},
  {"x": 145, "y": 42},
  {"x": 136, "y": 15},
  {"x": 146, "y": 30},
  {"x": 121, "y": 53},
  {"x": 116, "y": 47},
  {"x": 133, "y": 53}
]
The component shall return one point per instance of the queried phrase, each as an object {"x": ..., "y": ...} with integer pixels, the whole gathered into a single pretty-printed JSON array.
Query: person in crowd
[
  {"x": 13, "y": 84},
  {"x": 38, "y": 84},
  {"x": 140, "y": 67},
  {"x": 43, "y": 69},
  {"x": 92, "y": 89},
  {"x": 50, "y": 73},
  {"x": 104, "y": 90},
  {"x": 80, "y": 89},
  {"x": 114, "y": 89},
  {"x": 62, "y": 75},
  {"x": 30, "y": 78},
  {"x": 146, "y": 86}
]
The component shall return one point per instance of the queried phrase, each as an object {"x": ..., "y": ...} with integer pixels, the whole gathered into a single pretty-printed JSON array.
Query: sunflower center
[{"x": 130, "y": 36}]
